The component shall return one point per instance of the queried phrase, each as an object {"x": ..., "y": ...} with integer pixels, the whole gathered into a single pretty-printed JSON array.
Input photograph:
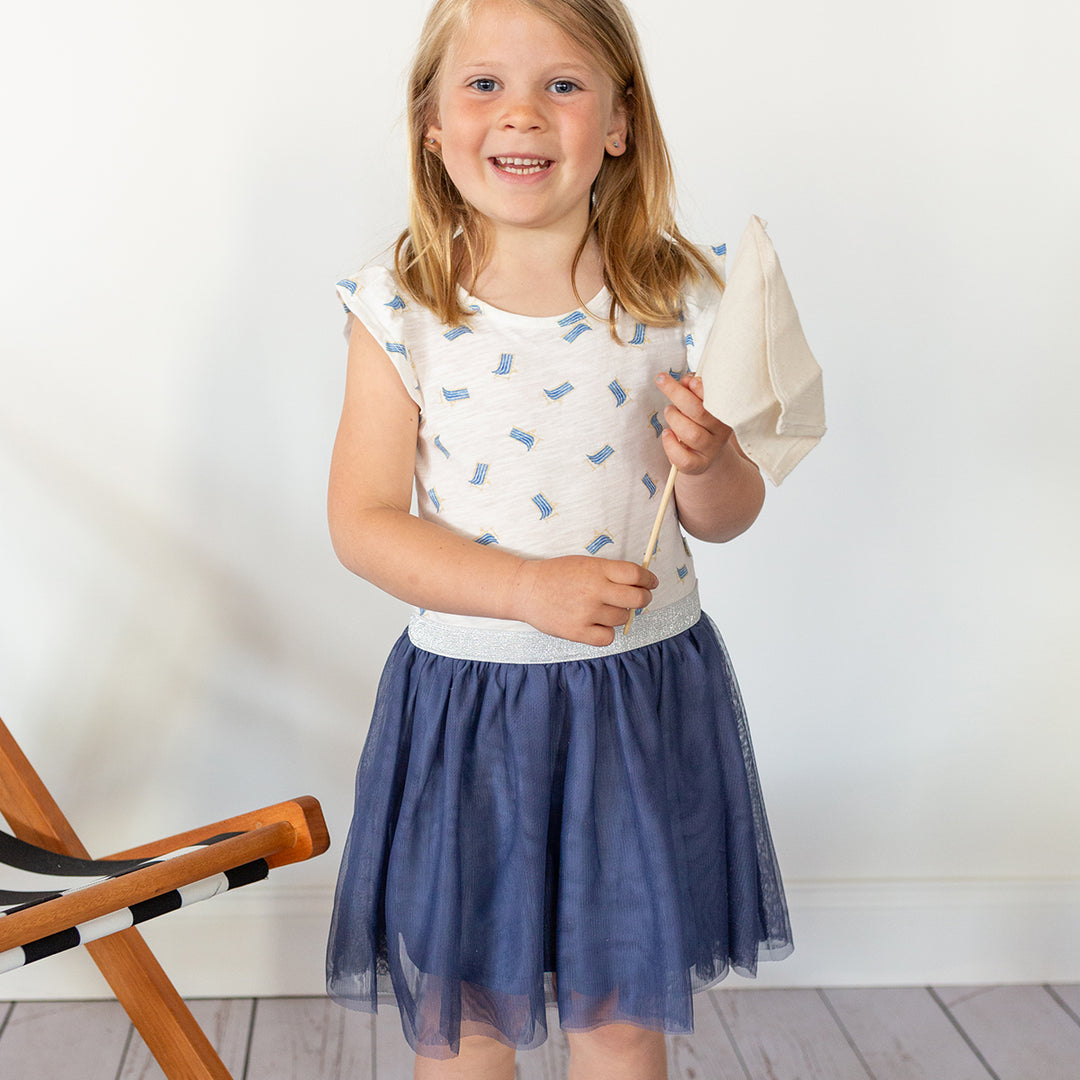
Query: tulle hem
[{"x": 385, "y": 995}]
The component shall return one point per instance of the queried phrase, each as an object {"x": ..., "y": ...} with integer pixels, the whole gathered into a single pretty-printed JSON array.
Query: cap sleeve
[
  {"x": 701, "y": 303},
  {"x": 373, "y": 297}
]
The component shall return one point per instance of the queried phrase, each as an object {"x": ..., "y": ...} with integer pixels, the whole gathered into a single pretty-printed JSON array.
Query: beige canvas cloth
[{"x": 759, "y": 374}]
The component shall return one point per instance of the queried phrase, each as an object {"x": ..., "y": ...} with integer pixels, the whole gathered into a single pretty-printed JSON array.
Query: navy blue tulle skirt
[{"x": 589, "y": 831}]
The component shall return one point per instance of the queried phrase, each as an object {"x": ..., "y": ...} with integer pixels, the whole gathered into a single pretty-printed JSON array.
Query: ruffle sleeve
[{"x": 372, "y": 296}]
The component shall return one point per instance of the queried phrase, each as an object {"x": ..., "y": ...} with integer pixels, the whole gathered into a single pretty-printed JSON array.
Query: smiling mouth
[{"x": 521, "y": 166}]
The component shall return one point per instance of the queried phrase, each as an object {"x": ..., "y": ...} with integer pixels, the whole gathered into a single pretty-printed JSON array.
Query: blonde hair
[{"x": 645, "y": 259}]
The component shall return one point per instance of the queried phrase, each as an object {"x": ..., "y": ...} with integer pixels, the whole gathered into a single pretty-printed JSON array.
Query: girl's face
[{"x": 525, "y": 116}]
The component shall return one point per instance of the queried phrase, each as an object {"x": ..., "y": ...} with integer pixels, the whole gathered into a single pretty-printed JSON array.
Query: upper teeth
[{"x": 520, "y": 161}]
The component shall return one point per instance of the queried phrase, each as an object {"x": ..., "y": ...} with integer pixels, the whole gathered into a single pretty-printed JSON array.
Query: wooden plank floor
[{"x": 911, "y": 1033}]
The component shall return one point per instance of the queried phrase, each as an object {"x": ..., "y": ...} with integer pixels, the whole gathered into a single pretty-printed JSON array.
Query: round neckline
[{"x": 588, "y": 308}]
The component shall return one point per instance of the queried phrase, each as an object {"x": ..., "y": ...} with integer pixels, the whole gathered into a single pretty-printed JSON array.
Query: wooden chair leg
[{"x": 156, "y": 1009}]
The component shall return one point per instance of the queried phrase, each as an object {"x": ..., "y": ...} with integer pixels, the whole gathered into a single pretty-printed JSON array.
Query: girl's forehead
[{"x": 491, "y": 26}]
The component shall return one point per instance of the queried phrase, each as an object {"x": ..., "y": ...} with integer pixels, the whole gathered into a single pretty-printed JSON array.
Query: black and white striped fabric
[{"x": 30, "y": 875}]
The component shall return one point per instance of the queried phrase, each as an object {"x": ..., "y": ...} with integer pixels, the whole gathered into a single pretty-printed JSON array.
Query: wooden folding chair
[{"x": 276, "y": 835}]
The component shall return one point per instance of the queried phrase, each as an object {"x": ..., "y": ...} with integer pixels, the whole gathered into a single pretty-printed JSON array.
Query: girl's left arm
[{"x": 719, "y": 491}]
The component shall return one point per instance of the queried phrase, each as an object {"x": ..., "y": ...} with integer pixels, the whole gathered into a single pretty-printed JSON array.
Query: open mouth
[{"x": 521, "y": 166}]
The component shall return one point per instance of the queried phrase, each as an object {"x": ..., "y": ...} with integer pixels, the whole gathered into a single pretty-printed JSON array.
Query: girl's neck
[{"x": 531, "y": 274}]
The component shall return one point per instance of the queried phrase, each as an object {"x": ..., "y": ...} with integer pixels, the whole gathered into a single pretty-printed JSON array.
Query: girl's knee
[
  {"x": 479, "y": 1058},
  {"x": 622, "y": 1050},
  {"x": 614, "y": 1036}
]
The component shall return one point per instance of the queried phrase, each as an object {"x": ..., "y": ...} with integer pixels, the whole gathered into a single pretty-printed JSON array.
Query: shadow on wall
[{"x": 155, "y": 667}]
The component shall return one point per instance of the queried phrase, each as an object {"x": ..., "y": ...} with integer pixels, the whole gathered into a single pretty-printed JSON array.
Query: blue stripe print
[
  {"x": 455, "y": 395},
  {"x": 598, "y": 543},
  {"x": 506, "y": 364},
  {"x": 621, "y": 396},
  {"x": 480, "y": 475},
  {"x": 434, "y": 500},
  {"x": 650, "y": 483},
  {"x": 576, "y": 332},
  {"x": 559, "y": 391},
  {"x": 545, "y": 508},
  {"x": 347, "y": 284},
  {"x": 721, "y": 250},
  {"x": 439, "y": 446},
  {"x": 397, "y": 304},
  {"x": 681, "y": 571},
  {"x": 523, "y": 437},
  {"x": 656, "y": 425},
  {"x": 601, "y": 455},
  {"x": 486, "y": 539},
  {"x": 573, "y": 317},
  {"x": 639, "y": 334},
  {"x": 396, "y": 347},
  {"x": 453, "y": 335}
]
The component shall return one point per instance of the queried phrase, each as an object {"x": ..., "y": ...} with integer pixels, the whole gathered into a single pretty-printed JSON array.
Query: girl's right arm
[{"x": 579, "y": 597}]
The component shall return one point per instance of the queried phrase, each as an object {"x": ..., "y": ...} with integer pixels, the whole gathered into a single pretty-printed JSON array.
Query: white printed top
[{"x": 541, "y": 435}]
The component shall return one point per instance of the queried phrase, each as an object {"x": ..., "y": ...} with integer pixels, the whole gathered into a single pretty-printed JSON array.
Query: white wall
[{"x": 182, "y": 185}]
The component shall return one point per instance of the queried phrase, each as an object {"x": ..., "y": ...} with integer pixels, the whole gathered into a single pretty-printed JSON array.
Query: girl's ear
[
  {"x": 615, "y": 143},
  {"x": 433, "y": 138}
]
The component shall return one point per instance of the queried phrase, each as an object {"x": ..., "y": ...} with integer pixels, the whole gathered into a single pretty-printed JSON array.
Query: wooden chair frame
[{"x": 284, "y": 833}]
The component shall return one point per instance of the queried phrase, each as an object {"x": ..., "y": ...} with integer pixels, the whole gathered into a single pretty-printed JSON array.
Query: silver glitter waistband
[{"x": 463, "y": 642}]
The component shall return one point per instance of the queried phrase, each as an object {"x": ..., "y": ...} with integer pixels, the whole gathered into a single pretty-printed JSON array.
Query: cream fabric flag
[{"x": 759, "y": 374}]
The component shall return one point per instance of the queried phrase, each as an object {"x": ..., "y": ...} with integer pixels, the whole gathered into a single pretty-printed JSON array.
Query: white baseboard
[
  {"x": 930, "y": 933},
  {"x": 268, "y": 940}
]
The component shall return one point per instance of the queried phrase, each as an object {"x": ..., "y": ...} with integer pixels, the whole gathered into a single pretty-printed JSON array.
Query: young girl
[{"x": 550, "y": 806}]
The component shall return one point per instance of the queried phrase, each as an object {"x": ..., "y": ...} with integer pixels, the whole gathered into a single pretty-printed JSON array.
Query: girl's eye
[
  {"x": 485, "y": 86},
  {"x": 564, "y": 86}
]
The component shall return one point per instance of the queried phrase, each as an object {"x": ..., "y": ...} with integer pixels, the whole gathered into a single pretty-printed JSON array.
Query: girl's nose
[{"x": 523, "y": 113}]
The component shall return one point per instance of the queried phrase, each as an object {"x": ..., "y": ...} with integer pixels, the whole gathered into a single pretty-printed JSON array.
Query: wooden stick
[{"x": 669, "y": 487}]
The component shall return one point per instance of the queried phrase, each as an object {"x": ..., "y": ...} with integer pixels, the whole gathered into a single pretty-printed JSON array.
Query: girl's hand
[
  {"x": 694, "y": 438},
  {"x": 580, "y": 597},
  {"x": 718, "y": 489}
]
